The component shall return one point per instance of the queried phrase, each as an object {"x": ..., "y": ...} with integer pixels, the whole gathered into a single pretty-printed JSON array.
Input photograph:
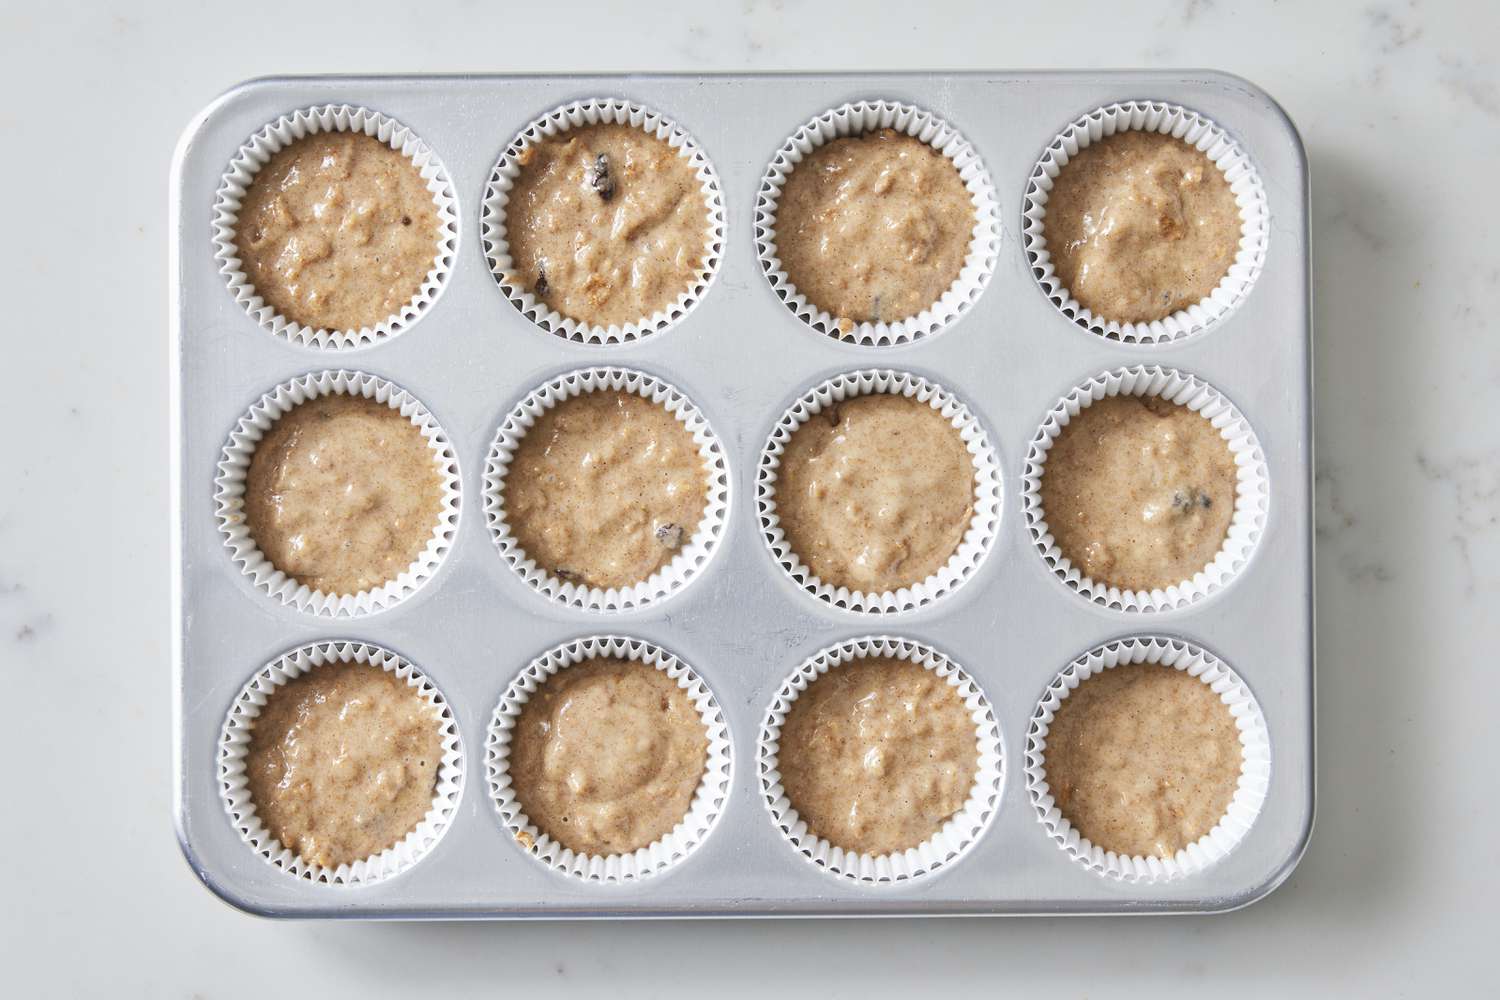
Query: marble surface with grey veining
[{"x": 1399, "y": 103}]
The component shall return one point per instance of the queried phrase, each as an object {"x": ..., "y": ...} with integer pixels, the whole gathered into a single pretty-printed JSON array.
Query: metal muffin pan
[{"x": 743, "y": 625}]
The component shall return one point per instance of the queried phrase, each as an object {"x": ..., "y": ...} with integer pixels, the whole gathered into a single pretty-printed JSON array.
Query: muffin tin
[{"x": 743, "y": 356}]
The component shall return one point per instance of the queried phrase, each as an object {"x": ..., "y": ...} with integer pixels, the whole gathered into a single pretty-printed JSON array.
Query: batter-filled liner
[
  {"x": 978, "y": 537},
  {"x": 234, "y": 743},
  {"x": 497, "y": 196},
  {"x": 1251, "y": 498},
  {"x": 855, "y": 119},
  {"x": 1249, "y": 794},
  {"x": 956, "y": 836},
  {"x": 234, "y": 466},
  {"x": 708, "y": 801},
  {"x": 285, "y": 131},
  {"x": 1196, "y": 131},
  {"x": 694, "y": 552}
]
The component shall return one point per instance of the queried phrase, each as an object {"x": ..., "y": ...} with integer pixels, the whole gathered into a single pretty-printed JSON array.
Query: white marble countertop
[{"x": 1399, "y": 103}]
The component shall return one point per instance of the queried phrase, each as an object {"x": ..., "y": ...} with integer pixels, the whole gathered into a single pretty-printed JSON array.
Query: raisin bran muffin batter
[
  {"x": 1143, "y": 759},
  {"x": 343, "y": 762},
  {"x": 875, "y": 493},
  {"x": 606, "y": 224},
  {"x": 605, "y": 489},
  {"x": 1141, "y": 225},
  {"x": 874, "y": 227},
  {"x": 338, "y": 231},
  {"x": 877, "y": 754},
  {"x": 1138, "y": 492},
  {"x": 606, "y": 756},
  {"x": 343, "y": 494}
]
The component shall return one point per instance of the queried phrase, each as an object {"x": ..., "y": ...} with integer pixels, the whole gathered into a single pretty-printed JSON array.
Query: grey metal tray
[{"x": 743, "y": 358}]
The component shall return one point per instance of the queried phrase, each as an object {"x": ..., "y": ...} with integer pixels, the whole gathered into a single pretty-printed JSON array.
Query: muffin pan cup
[
  {"x": 239, "y": 730},
  {"x": 557, "y": 122},
  {"x": 978, "y": 537},
  {"x": 276, "y": 136},
  {"x": 954, "y": 837},
  {"x": 660, "y": 854},
  {"x": 234, "y": 468},
  {"x": 1250, "y": 791},
  {"x": 695, "y": 552},
  {"x": 855, "y": 119},
  {"x": 1251, "y": 490},
  {"x": 1202, "y": 134},
  {"x": 744, "y": 624}
]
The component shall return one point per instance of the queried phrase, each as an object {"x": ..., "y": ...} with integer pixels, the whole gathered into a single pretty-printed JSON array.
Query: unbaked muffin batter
[
  {"x": 606, "y": 224},
  {"x": 343, "y": 494},
  {"x": 875, "y": 493},
  {"x": 874, "y": 227},
  {"x": 338, "y": 231},
  {"x": 606, "y": 756},
  {"x": 343, "y": 762},
  {"x": 1140, "y": 225},
  {"x": 877, "y": 754},
  {"x": 1138, "y": 492},
  {"x": 605, "y": 489},
  {"x": 1143, "y": 759}
]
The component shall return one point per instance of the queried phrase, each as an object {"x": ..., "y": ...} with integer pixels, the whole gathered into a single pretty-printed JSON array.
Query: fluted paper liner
[
  {"x": 234, "y": 745},
  {"x": 690, "y": 559},
  {"x": 957, "y": 835},
  {"x": 497, "y": 196},
  {"x": 1250, "y": 793},
  {"x": 234, "y": 466},
  {"x": 1251, "y": 493},
  {"x": 1196, "y": 131},
  {"x": 855, "y": 119},
  {"x": 708, "y": 801},
  {"x": 978, "y": 538},
  {"x": 279, "y": 134}
]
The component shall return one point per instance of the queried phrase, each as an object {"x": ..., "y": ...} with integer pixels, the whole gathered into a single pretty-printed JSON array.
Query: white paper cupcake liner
[
  {"x": 1249, "y": 794},
  {"x": 1196, "y": 131},
  {"x": 234, "y": 745},
  {"x": 1251, "y": 493},
  {"x": 855, "y": 119},
  {"x": 234, "y": 466},
  {"x": 977, "y": 540},
  {"x": 279, "y": 134},
  {"x": 608, "y": 111},
  {"x": 708, "y": 801},
  {"x": 957, "y": 835},
  {"x": 690, "y": 559}
]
